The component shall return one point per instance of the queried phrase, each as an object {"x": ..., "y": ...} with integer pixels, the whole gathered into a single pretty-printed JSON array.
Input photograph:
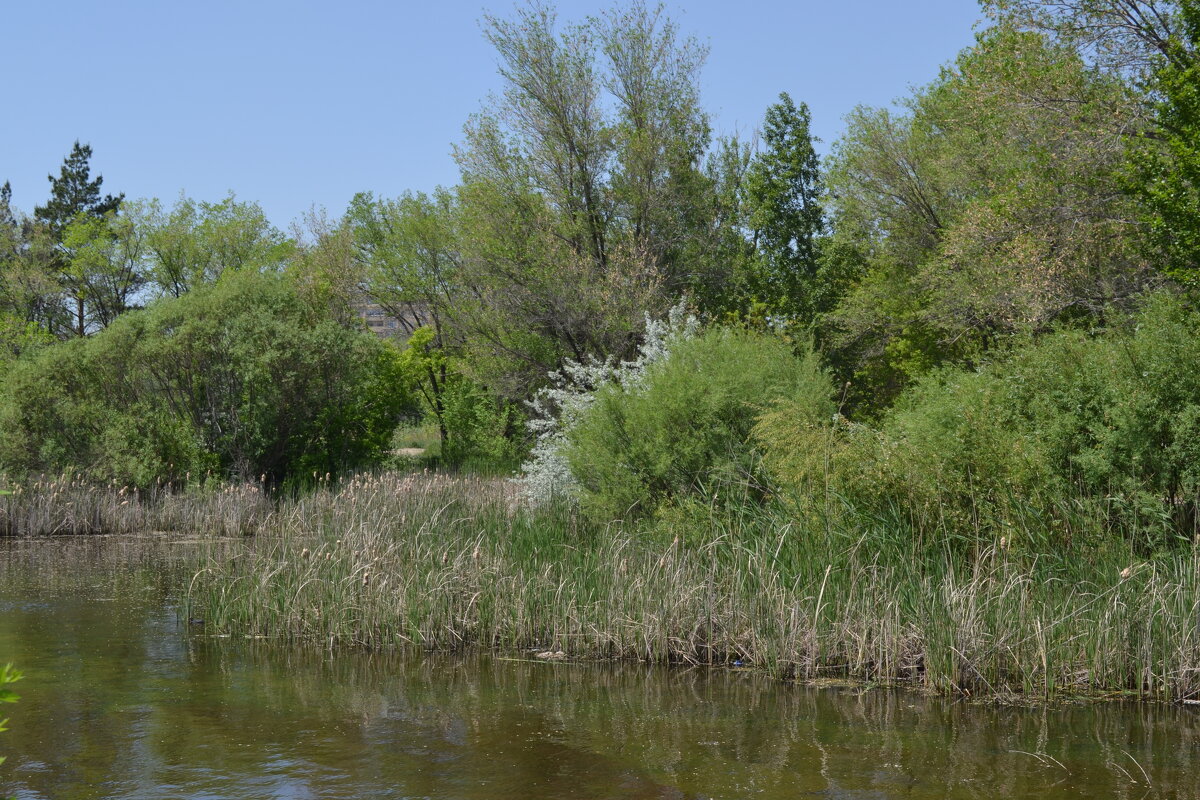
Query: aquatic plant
[
  {"x": 869, "y": 593},
  {"x": 70, "y": 505},
  {"x": 8, "y": 676},
  {"x": 450, "y": 563}
]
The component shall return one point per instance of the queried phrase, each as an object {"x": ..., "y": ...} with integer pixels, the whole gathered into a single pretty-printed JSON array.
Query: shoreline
[{"x": 452, "y": 563}]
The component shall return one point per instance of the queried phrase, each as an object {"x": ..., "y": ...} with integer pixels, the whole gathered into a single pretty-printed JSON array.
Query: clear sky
[{"x": 295, "y": 104}]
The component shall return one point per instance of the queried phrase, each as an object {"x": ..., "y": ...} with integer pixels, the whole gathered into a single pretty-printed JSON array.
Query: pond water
[{"x": 123, "y": 699}]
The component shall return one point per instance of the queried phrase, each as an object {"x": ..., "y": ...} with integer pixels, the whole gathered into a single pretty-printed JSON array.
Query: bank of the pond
[
  {"x": 445, "y": 563},
  {"x": 453, "y": 563},
  {"x": 124, "y": 699}
]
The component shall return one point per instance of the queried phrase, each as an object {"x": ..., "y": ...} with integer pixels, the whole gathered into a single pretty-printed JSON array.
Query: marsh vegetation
[{"x": 926, "y": 410}]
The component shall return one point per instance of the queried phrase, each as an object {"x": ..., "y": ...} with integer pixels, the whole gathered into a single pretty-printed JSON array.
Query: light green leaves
[{"x": 8, "y": 676}]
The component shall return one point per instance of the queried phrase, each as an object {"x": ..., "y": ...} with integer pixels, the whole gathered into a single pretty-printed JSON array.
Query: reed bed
[
  {"x": 66, "y": 505},
  {"x": 451, "y": 563}
]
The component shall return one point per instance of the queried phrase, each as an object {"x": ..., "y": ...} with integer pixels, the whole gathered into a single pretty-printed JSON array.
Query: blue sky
[{"x": 295, "y": 104}]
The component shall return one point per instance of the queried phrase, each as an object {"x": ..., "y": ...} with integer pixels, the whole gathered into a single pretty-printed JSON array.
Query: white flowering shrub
[{"x": 560, "y": 406}]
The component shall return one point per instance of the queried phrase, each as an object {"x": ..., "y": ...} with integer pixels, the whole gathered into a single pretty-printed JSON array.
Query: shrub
[
  {"x": 481, "y": 430},
  {"x": 241, "y": 378},
  {"x": 683, "y": 430},
  {"x": 1104, "y": 423},
  {"x": 1113, "y": 417},
  {"x": 558, "y": 408}
]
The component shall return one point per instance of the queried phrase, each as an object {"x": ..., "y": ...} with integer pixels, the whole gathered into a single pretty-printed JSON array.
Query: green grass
[
  {"x": 449, "y": 563},
  {"x": 424, "y": 437}
]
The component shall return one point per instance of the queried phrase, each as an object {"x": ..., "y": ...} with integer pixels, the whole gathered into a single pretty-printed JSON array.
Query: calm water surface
[{"x": 123, "y": 700}]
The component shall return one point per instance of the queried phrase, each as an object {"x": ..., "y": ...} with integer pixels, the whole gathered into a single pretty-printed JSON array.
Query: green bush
[
  {"x": 481, "y": 430},
  {"x": 683, "y": 431},
  {"x": 1102, "y": 424},
  {"x": 241, "y": 378},
  {"x": 1114, "y": 418}
]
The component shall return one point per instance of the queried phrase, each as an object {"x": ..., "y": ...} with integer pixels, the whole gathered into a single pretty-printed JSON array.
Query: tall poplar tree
[
  {"x": 782, "y": 188},
  {"x": 584, "y": 204}
]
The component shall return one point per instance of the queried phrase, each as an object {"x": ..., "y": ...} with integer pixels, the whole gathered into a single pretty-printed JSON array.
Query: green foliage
[
  {"x": 584, "y": 203},
  {"x": 30, "y": 286},
  {"x": 102, "y": 267},
  {"x": 75, "y": 192},
  {"x": 324, "y": 268},
  {"x": 410, "y": 254},
  {"x": 8, "y": 676},
  {"x": 1108, "y": 420},
  {"x": 1167, "y": 165},
  {"x": 1125, "y": 37},
  {"x": 69, "y": 245},
  {"x": 482, "y": 431},
  {"x": 783, "y": 187},
  {"x": 1113, "y": 414},
  {"x": 683, "y": 431},
  {"x": 476, "y": 428},
  {"x": 241, "y": 378},
  {"x": 195, "y": 243},
  {"x": 18, "y": 336},
  {"x": 992, "y": 207}
]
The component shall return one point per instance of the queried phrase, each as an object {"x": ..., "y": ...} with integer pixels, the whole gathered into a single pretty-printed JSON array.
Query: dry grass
[{"x": 70, "y": 506}]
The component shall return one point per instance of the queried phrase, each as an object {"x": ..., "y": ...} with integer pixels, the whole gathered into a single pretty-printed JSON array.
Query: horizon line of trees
[{"x": 1048, "y": 177}]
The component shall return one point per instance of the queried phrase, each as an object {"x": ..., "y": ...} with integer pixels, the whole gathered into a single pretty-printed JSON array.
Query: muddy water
[{"x": 124, "y": 700}]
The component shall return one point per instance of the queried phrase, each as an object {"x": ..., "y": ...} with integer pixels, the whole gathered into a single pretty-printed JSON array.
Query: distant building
[{"x": 386, "y": 326}]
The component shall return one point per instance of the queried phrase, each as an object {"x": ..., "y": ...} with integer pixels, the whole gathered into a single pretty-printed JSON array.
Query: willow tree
[
  {"x": 584, "y": 203},
  {"x": 1167, "y": 164},
  {"x": 194, "y": 243},
  {"x": 1154, "y": 45},
  {"x": 993, "y": 205},
  {"x": 1122, "y": 36}
]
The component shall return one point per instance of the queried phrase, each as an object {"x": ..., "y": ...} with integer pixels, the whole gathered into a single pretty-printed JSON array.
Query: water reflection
[{"x": 124, "y": 701}]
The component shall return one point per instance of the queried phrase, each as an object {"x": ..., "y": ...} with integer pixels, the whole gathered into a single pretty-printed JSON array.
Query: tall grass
[
  {"x": 455, "y": 562},
  {"x": 450, "y": 563},
  {"x": 68, "y": 505}
]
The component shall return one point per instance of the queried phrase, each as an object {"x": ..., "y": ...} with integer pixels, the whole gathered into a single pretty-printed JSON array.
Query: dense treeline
[{"x": 979, "y": 307}]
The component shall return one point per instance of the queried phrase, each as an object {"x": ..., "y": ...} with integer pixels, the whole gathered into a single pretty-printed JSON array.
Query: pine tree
[
  {"x": 74, "y": 198},
  {"x": 72, "y": 192}
]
